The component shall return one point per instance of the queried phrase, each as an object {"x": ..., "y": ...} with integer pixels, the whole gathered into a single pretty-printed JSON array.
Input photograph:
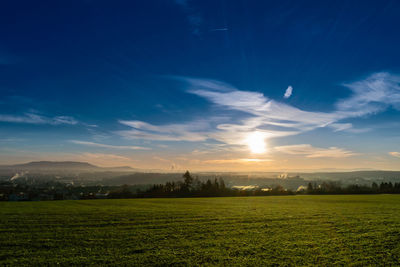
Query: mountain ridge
[{"x": 63, "y": 165}]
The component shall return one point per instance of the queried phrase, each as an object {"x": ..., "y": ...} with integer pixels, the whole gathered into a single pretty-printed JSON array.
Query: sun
[{"x": 256, "y": 143}]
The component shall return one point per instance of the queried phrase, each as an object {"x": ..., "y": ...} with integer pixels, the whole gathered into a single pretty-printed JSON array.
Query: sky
[{"x": 202, "y": 85}]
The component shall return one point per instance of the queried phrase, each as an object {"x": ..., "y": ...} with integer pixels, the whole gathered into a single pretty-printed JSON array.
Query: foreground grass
[{"x": 291, "y": 230}]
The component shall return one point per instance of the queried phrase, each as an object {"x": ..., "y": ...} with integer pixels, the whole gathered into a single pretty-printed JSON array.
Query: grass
[{"x": 289, "y": 230}]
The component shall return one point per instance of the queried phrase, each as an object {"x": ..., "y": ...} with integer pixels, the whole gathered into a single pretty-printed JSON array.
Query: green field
[{"x": 289, "y": 230}]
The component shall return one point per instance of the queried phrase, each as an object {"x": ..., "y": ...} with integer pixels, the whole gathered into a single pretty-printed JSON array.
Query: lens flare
[{"x": 256, "y": 143}]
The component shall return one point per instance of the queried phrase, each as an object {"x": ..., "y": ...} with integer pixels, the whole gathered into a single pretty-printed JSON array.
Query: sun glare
[{"x": 256, "y": 143}]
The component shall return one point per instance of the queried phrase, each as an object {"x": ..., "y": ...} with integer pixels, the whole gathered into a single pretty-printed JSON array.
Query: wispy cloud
[
  {"x": 12, "y": 140},
  {"x": 395, "y": 154},
  {"x": 379, "y": 90},
  {"x": 87, "y": 143},
  {"x": 231, "y": 161},
  {"x": 63, "y": 120},
  {"x": 267, "y": 116},
  {"x": 288, "y": 92},
  {"x": 215, "y": 149},
  {"x": 348, "y": 127},
  {"x": 309, "y": 151},
  {"x": 105, "y": 160},
  {"x": 191, "y": 131},
  {"x": 33, "y": 118},
  {"x": 105, "y": 156},
  {"x": 337, "y": 127},
  {"x": 219, "y": 30},
  {"x": 372, "y": 95}
]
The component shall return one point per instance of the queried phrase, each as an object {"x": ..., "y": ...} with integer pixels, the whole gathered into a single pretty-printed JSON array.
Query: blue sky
[{"x": 201, "y": 85}]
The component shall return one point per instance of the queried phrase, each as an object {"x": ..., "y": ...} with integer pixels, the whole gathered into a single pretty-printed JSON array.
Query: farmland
[{"x": 283, "y": 230}]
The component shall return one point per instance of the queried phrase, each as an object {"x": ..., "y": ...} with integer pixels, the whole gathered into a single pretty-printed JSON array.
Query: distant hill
[
  {"x": 56, "y": 164},
  {"x": 69, "y": 166},
  {"x": 353, "y": 175},
  {"x": 85, "y": 172}
]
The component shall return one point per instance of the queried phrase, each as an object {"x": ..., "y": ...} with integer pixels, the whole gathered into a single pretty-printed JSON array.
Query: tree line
[
  {"x": 188, "y": 187},
  {"x": 336, "y": 188},
  {"x": 193, "y": 187}
]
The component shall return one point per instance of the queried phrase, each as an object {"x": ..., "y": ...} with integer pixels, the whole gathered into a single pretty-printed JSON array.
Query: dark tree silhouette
[{"x": 188, "y": 179}]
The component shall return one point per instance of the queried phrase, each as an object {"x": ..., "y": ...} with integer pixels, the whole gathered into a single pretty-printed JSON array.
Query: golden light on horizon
[{"x": 256, "y": 143}]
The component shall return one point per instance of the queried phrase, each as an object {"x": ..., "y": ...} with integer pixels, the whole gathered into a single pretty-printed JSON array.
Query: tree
[
  {"x": 216, "y": 184},
  {"x": 310, "y": 187},
  {"x": 222, "y": 184},
  {"x": 374, "y": 187},
  {"x": 196, "y": 185},
  {"x": 188, "y": 179},
  {"x": 122, "y": 192}
]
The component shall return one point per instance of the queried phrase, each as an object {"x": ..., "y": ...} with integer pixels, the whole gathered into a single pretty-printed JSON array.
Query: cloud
[
  {"x": 86, "y": 143},
  {"x": 218, "y": 29},
  {"x": 274, "y": 119},
  {"x": 340, "y": 126},
  {"x": 232, "y": 161},
  {"x": 371, "y": 95},
  {"x": 247, "y": 111},
  {"x": 309, "y": 151},
  {"x": 12, "y": 140},
  {"x": 104, "y": 156},
  {"x": 105, "y": 160},
  {"x": 191, "y": 131},
  {"x": 215, "y": 149},
  {"x": 162, "y": 159},
  {"x": 63, "y": 120},
  {"x": 395, "y": 154},
  {"x": 380, "y": 89},
  {"x": 265, "y": 110},
  {"x": 288, "y": 92},
  {"x": 33, "y": 118},
  {"x": 348, "y": 127}
]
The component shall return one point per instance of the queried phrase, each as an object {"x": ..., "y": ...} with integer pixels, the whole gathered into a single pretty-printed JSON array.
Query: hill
[{"x": 62, "y": 166}]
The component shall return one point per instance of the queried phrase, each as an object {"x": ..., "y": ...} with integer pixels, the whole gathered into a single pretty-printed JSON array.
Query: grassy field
[{"x": 290, "y": 230}]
